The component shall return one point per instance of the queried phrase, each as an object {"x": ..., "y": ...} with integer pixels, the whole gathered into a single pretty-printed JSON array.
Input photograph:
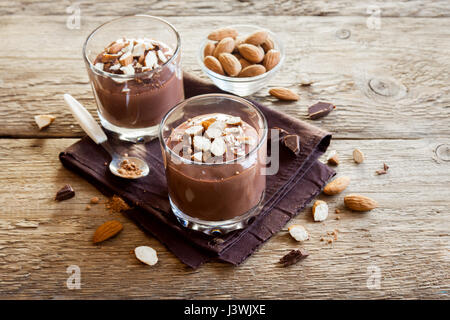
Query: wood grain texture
[
  {"x": 340, "y": 69},
  {"x": 388, "y": 8},
  {"x": 407, "y": 237}
]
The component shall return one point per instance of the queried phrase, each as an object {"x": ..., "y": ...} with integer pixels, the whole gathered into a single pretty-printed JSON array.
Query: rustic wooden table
[{"x": 385, "y": 66}]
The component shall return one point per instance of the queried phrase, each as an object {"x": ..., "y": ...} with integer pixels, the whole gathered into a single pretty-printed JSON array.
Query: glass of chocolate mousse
[
  {"x": 214, "y": 148},
  {"x": 134, "y": 68}
]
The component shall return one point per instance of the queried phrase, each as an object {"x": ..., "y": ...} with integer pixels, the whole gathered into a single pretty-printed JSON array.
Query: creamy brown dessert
[
  {"x": 217, "y": 172},
  {"x": 155, "y": 85}
]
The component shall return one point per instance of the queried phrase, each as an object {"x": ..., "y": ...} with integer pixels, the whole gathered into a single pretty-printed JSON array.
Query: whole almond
[
  {"x": 358, "y": 202},
  {"x": 358, "y": 156},
  {"x": 230, "y": 64},
  {"x": 252, "y": 71},
  {"x": 209, "y": 49},
  {"x": 284, "y": 94},
  {"x": 226, "y": 45},
  {"x": 213, "y": 64},
  {"x": 268, "y": 44},
  {"x": 244, "y": 63},
  {"x": 221, "y": 33},
  {"x": 251, "y": 53},
  {"x": 336, "y": 186},
  {"x": 271, "y": 59},
  {"x": 107, "y": 230},
  {"x": 257, "y": 37},
  {"x": 239, "y": 40}
]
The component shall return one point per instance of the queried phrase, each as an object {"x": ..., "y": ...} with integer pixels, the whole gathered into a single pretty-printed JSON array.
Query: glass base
[
  {"x": 137, "y": 135},
  {"x": 217, "y": 228}
]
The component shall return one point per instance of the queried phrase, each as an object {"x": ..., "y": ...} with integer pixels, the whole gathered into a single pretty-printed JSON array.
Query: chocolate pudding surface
[
  {"x": 215, "y": 183},
  {"x": 155, "y": 84}
]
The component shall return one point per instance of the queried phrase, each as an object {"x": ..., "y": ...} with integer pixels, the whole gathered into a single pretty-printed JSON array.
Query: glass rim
[
  {"x": 126, "y": 76},
  {"x": 228, "y": 96},
  {"x": 211, "y": 73}
]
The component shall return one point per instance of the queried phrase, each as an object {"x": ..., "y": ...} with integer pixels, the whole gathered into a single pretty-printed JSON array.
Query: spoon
[{"x": 95, "y": 132}]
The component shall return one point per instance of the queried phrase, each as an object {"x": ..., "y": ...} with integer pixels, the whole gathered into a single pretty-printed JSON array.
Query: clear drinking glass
[
  {"x": 215, "y": 198},
  {"x": 133, "y": 105}
]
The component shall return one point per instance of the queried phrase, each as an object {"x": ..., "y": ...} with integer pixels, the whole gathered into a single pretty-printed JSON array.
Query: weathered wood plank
[
  {"x": 387, "y": 8},
  {"x": 408, "y": 51},
  {"x": 407, "y": 238}
]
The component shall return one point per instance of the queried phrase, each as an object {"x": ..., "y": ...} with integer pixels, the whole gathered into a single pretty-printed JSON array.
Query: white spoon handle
[{"x": 85, "y": 120}]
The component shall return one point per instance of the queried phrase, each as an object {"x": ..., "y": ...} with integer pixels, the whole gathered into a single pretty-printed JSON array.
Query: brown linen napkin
[{"x": 299, "y": 179}]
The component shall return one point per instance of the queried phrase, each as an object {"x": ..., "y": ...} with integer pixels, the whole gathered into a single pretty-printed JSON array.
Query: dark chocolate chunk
[
  {"x": 293, "y": 257},
  {"x": 320, "y": 109},
  {"x": 384, "y": 170},
  {"x": 65, "y": 193},
  {"x": 292, "y": 142},
  {"x": 281, "y": 133}
]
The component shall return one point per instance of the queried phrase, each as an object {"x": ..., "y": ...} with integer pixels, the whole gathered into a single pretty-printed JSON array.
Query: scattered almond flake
[
  {"x": 202, "y": 143},
  {"x": 234, "y": 121},
  {"x": 27, "y": 224},
  {"x": 218, "y": 125},
  {"x": 194, "y": 130},
  {"x": 298, "y": 232},
  {"x": 146, "y": 255},
  {"x": 95, "y": 200},
  {"x": 304, "y": 80},
  {"x": 99, "y": 65},
  {"x": 337, "y": 211},
  {"x": 115, "y": 67},
  {"x": 44, "y": 120},
  {"x": 320, "y": 210},
  {"x": 138, "y": 50},
  {"x": 218, "y": 147},
  {"x": 232, "y": 130},
  {"x": 148, "y": 44},
  {"x": 213, "y": 133},
  {"x": 162, "y": 57},
  {"x": 198, "y": 156},
  {"x": 128, "y": 70},
  {"x": 358, "y": 156},
  {"x": 88, "y": 207},
  {"x": 332, "y": 158},
  {"x": 151, "y": 60}
]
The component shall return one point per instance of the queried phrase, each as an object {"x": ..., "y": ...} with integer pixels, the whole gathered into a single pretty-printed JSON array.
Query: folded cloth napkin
[{"x": 299, "y": 179}]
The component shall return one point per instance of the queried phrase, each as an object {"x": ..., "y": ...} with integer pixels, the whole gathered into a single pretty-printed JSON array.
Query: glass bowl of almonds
[{"x": 241, "y": 59}]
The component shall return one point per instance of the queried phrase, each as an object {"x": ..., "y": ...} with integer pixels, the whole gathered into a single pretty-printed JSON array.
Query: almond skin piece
[
  {"x": 219, "y": 34},
  {"x": 209, "y": 49},
  {"x": 226, "y": 45},
  {"x": 252, "y": 71},
  {"x": 271, "y": 59},
  {"x": 284, "y": 94},
  {"x": 251, "y": 53},
  {"x": 257, "y": 37},
  {"x": 213, "y": 64},
  {"x": 336, "y": 186},
  {"x": 107, "y": 230},
  {"x": 230, "y": 64},
  {"x": 358, "y": 202}
]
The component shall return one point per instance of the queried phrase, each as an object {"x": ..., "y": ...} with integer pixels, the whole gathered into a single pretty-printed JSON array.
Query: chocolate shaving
[
  {"x": 384, "y": 170},
  {"x": 320, "y": 109},
  {"x": 292, "y": 142},
  {"x": 293, "y": 257},
  {"x": 65, "y": 193}
]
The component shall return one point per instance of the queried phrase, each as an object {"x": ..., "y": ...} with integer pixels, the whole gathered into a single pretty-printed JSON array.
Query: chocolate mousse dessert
[
  {"x": 150, "y": 85},
  {"x": 215, "y": 170}
]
